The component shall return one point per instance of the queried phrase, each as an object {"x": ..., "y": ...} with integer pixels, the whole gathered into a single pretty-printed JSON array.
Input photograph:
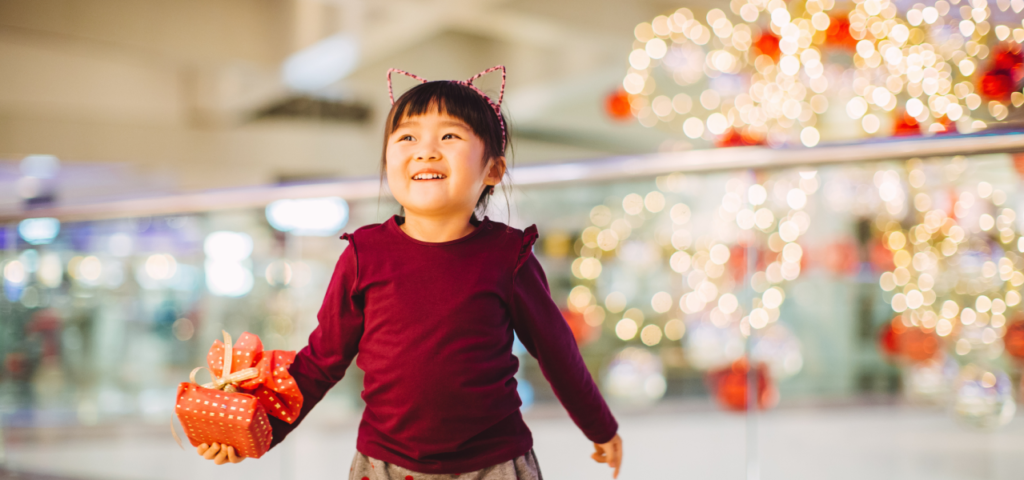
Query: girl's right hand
[
  {"x": 610, "y": 453},
  {"x": 220, "y": 454}
]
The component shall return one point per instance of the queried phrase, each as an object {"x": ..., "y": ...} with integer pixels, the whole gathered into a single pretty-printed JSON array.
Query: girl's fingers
[
  {"x": 598, "y": 454},
  {"x": 222, "y": 457},
  {"x": 232, "y": 457},
  {"x": 616, "y": 460},
  {"x": 220, "y": 454},
  {"x": 212, "y": 451}
]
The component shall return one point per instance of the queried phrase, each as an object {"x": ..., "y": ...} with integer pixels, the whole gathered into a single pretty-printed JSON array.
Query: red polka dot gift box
[{"x": 232, "y": 410}]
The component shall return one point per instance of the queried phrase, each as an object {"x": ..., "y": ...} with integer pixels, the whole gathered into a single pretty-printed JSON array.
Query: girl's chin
[{"x": 431, "y": 209}]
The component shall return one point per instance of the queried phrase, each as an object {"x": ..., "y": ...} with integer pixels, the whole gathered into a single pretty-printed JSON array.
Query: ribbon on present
[
  {"x": 223, "y": 379},
  {"x": 245, "y": 367}
]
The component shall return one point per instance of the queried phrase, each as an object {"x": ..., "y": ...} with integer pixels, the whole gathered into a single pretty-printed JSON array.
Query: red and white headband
[{"x": 468, "y": 83}]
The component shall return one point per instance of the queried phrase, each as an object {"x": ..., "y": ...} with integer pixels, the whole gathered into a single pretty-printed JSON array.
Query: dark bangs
[{"x": 455, "y": 100}]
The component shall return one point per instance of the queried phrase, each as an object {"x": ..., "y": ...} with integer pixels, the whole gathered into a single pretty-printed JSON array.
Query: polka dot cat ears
[{"x": 468, "y": 83}]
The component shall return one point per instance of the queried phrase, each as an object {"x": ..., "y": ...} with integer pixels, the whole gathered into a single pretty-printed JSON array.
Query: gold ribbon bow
[{"x": 227, "y": 379}]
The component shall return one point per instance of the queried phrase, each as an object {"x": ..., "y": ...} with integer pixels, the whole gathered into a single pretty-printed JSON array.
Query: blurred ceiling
[{"x": 190, "y": 94}]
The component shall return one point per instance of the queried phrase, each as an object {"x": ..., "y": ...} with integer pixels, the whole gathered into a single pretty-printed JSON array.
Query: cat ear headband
[{"x": 468, "y": 83}]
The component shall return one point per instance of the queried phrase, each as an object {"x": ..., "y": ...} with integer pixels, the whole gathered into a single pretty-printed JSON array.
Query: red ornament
[
  {"x": 1004, "y": 72},
  {"x": 581, "y": 331},
  {"x": 947, "y": 125},
  {"x": 841, "y": 257},
  {"x": 880, "y": 256},
  {"x": 914, "y": 344},
  {"x": 737, "y": 261},
  {"x": 1018, "y": 163},
  {"x": 617, "y": 106},
  {"x": 996, "y": 84},
  {"x": 838, "y": 33},
  {"x": 1014, "y": 339},
  {"x": 905, "y": 125},
  {"x": 1008, "y": 56},
  {"x": 730, "y": 386},
  {"x": 767, "y": 43},
  {"x": 737, "y": 264},
  {"x": 729, "y": 138},
  {"x": 738, "y": 138},
  {"x": 918, "y": 344},
  {"x": 888, "y": 337}
]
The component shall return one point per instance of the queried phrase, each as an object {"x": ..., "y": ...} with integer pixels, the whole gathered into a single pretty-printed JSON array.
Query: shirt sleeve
[
  {"x": 332, "y": 345},
  {"x": 546, "y": 335}
]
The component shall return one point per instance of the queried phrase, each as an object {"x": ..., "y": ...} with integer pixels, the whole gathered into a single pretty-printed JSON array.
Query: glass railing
[{"x": 870, "y": 309}]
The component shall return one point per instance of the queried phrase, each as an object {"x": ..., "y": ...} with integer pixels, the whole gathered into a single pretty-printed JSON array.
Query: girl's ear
[{"x": 496, "y": 171}]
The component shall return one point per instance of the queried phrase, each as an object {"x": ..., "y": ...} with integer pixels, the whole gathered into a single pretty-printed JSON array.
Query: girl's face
[{"x": 435, "y": 166}]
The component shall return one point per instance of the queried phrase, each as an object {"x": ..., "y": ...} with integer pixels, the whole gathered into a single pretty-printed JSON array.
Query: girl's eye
[
  {"x": 449, "y": 135},
  {"x": 405, "y": 137}
]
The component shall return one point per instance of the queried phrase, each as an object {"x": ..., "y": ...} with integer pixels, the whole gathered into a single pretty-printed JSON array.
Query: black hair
[{"x": 461, "y": 102}]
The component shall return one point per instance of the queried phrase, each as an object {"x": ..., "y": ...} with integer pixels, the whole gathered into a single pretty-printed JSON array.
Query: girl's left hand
[
  {"x": 220, "y": 454},
  {"x": 610, "y": 453}
]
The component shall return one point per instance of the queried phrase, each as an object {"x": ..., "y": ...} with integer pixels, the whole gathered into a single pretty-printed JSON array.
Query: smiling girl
[{"x": 430, "y": 300}]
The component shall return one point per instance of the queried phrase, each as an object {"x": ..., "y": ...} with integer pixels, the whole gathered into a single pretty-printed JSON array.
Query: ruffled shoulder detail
[
  {"x": 362, "y": 232},
  {"x": 529, "y": 238}
]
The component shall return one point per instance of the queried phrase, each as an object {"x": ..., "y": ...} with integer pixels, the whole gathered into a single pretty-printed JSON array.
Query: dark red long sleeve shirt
[{"x": 433, "y": 326}]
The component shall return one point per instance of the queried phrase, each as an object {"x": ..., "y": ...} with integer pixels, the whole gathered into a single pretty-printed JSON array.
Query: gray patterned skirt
[{"x": 523, "y": 467}]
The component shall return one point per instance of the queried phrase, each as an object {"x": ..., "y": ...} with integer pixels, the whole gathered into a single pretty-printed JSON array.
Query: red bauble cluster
[
  {"x": 767, "y": 43},
  {"x": 617, "y": 105},
  {"x": 738, "y": 138},
  {"x": 838, "y": 33},
  {"x": 911, "y": 344},
  {"x": 738, "y": 261},
  {"x": 1018, "y": 163},
  {"x": 842, "y": 257},
  {"x": 918, "y": 344},
  {"x": 996, "y": 84},
  {"x": 737, "y": 264},
  {"x": 888, "y": 340},
  {"x": 948, "y": 126},
  {"x": 1014, "y": 339},
  {"x": 729, "y": 386},
  {"x": 880, "y": 256},
  {"x": 904, "y": 125},
  {"x": 582, "y": 332},
  {"x": 1004, "y": 73}
]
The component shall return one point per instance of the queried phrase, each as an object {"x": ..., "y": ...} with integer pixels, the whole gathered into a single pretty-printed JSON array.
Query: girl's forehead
[{"x": 431, "y": 117}]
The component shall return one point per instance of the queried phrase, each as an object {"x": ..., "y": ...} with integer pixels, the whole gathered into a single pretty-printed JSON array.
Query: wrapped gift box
[
  {"x": 232, "y": 410},
  {"x": 235, "y": 419}
]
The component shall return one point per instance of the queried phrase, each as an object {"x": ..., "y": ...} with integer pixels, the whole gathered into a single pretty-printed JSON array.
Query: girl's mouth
[{"x": 429, "y": 176}]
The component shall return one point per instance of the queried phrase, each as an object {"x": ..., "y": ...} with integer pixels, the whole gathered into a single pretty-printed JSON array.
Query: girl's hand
[
  {"x": 610, "y": 453},
  {"x": 220, "y": 454}
]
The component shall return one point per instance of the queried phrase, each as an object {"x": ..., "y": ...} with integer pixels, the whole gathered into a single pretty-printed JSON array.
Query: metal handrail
[{"x": 597, "y": 170}]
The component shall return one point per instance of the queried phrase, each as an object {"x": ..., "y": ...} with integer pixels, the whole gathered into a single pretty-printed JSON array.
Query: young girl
[{"x": 430, "y": 300}]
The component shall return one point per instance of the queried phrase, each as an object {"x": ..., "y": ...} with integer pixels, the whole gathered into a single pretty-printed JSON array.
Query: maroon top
[{"x": 433, "y": 323}]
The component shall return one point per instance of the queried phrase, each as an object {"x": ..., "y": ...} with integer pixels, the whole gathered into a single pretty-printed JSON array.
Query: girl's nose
[{"x": 428, "y": 154}]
